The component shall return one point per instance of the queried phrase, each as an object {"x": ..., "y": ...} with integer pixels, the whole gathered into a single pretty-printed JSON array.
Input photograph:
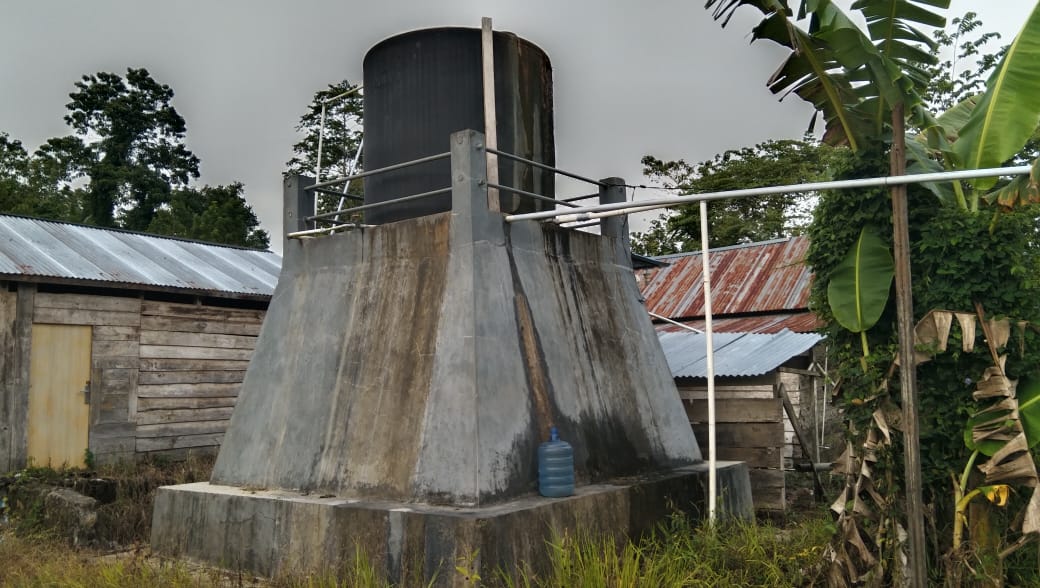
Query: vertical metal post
[
  {"x": 469, "y": 205},
  {"x": 713, "y": 482},
  {"x": 907, "y": 364},
  {"x": 297, "y": 205},
  {"x": 612, "y": 192},
  {"x": 487, "y": 52}
]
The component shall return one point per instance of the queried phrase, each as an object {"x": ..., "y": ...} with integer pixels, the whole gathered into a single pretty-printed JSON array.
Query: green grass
[{"x": 744, "y": 554}]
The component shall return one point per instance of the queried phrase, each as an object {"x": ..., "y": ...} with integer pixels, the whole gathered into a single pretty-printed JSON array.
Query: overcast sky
[{"x": 631, "y": 78}]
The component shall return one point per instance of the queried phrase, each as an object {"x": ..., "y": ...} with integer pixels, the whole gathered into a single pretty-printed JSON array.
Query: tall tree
[
  {"x": 218, "y": 214},
  {"x": 743, "y": 220},
  {"x": 129, "y": 141},
  {"x": 36, "y": 185},
  {"x": 341, "y": 137}
]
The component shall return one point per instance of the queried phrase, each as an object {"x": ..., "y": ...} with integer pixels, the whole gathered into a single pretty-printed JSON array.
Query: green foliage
[
  {"x": 1007, "y": 113},
  {"x": 218, "y": 214},
  {"x": 741, "y": 220},
  {"x": 859, "y": 286},
  {"x": 342, "y": 137},
  {"x": 949, "y": 81},
  {"x": 129, "y": 140},
  {"x": 125, "y": 166}
]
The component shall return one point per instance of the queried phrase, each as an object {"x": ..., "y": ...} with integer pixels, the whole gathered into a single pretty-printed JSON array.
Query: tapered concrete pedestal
[
  {"x": 271, "y": 532},
  {"x": 410, "y": 371}
]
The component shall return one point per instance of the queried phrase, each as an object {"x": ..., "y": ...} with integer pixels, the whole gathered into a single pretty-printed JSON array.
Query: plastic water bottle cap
[{"x": 553, "y": 435}]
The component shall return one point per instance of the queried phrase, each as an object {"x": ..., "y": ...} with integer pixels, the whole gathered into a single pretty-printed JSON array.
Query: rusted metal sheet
[
  {"x": 47, "y": 249},
  {"x": 736, "y": 354},
  {"x": 768, "y": 277},
  {"x": 799, "y": 322}
]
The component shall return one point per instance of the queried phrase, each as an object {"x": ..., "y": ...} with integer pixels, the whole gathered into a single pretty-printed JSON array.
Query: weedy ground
[{"x": 681, "y": 553}]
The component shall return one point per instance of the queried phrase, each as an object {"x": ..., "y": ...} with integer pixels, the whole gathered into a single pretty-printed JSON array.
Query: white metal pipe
[
  {"x": 676, "y": 323},
  {"x": 713, "y": 480},
  {"x": 353, "y": 90},
  {"x": 608, "y": 210},
  {"x": 326, "y": 230},
  {"x": 317, "y": 165}
]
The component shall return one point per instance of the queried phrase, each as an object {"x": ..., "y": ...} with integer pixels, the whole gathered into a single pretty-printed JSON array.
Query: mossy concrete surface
[{"x": 275, "y": 532}]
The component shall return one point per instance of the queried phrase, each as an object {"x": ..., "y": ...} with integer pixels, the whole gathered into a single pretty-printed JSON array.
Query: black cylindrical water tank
[{"x": 422, "y": 86}]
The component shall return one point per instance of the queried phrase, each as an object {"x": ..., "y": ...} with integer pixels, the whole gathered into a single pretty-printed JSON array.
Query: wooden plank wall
[
  {"x": 164, "y": 376},
  {"x": 749, "y": 427},
  {"x": 192, "y": 362},
  {"x": 16, "y": 306}
]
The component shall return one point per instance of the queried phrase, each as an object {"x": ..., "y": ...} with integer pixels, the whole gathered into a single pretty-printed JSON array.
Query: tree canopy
[{"x": 124, "y": 165}]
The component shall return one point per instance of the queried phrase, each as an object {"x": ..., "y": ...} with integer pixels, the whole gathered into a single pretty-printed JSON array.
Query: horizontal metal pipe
[
  {"x": 577, "y": 198},
  {"x": 591, "y": 223},
  {"x": 326, "y": 230},
  {"x": 608, "y": 210},
  {"x": 340, "y": 194},
  {"x": 545, "y": 167},
  {"x": 373, "y": 172},
  {"x": 334, "y": 213},
  {"x": 343, "y": 95},
  {"x": 531, "y": 195},
  {"x": 676, "y": 323}
]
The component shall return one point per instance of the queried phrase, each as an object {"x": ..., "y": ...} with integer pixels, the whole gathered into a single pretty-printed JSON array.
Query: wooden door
[{"x": 59, "y": 408}]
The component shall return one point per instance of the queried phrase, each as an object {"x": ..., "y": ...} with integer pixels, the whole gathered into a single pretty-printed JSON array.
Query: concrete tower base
[{"x": 270, "y": 532}]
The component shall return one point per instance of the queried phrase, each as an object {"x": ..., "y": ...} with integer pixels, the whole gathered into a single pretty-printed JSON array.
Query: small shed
[
  {"x": 765, "y": 352},
  {"x": 115, "y": 344}
]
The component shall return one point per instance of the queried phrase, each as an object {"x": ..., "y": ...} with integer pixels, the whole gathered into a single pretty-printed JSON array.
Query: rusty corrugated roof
[
  {"x": 799, "y": 322},
  {"x": 39, "y": 248},
  {"x": 755, "y": 279}
]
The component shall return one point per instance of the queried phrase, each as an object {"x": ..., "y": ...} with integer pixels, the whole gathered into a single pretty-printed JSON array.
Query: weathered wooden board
[
  {"x": 171, "y": 309},
  {"x": 744, "y": 410},
  {"x": 112, "y": 438},
  {"x": 113, "y": 408},
  {"x": 181, "y": 429},
  {"x": 176, "y": 352},
  {"x": 109, "y": 333},
  {"x": 768, "y": 489},
  {"x": 172, "y": 364},
  {"x": 192, "y": 377},
  {"x": 197, "y": 339},
  {"x": 88, "y": 302},
  {"x": 754, "y": 457},
  {"x": 117, "y": 362},
  {"x": 184, "y": 402},
  {"x": 68, "y": 316},
  {"x": 194, "y": 390},
  {"x": 742, "y": 435},
  {"x": 723, "y": 392},
  {"x": 102, "y": 349},
  {"x": 178, "y": 442},
  {"x": 187, "y": 325},
  {"x": 185, "y": 415}
]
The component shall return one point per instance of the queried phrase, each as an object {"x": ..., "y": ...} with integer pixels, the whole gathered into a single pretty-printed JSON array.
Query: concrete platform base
[{"x": 275, "y": 532}]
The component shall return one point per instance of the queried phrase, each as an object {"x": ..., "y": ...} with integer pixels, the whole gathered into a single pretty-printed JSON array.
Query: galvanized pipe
[
  {"x": 335, "y": 213},
  {"x": 591, "y": 223},
  {"x": 339, "y": 193},
  {"x": 530, "y": 194},
  {"x": 365, "y": 174},
  {"x": 709, "y": 343},
  {"x": 327, "y": 230},
  {"x": 577, "y": 198},
  {"x": 544, "y": 166},
  {"x": 676, "y": 323},
  {"x": 608, "y": 210}
]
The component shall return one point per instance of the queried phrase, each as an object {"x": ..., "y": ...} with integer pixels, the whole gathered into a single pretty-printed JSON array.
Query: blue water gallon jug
[{"x": 555, "y": 467}]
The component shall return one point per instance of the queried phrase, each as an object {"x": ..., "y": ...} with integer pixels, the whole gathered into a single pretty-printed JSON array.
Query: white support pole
[
  {"x": 585, "y": 213},
  {"x": 321, "y": 140},
  {"x": 713, "y": 482}
]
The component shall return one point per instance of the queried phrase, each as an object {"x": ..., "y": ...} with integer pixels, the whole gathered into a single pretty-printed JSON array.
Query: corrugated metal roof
[
  {"x": 736, "y": 354},
  {"x": 799, "y": 322},
  {"x": 49, "y": 249},
  {"x": 756, "y": 278}
]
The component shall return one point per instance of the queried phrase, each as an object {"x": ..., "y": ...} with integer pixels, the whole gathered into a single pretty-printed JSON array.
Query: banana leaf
[
  {"x": 1008, "y": 112},
  {"x": 859, "y": 286}
]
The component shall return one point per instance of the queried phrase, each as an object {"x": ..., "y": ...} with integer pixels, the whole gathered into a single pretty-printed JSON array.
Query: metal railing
[{"x": 337, "y": 187}]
